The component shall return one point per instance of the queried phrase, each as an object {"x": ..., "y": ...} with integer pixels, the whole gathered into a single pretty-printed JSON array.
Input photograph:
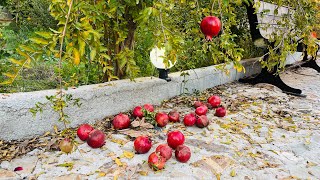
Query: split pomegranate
[
  {"x": 202, "y": 121},
  {"x": 174, "y": 116},
  {"x": 66, "y": 145},
  {"x": 121, "y": 121},
  {"x": 162, "y": 119},
  {"x": 96, "y": 139},
  {"x": 197, "y": 104},
  {"x": 221, "y": 112},
  {"x": 137, "y": 112},
  {"x": 189, "y": 119},
  {"x": 210, "y": 26},
  {"x": 83, "y": 131},
  {"x": 215, "y": 101},
  {"x": 183, "y": 153},
  {"x": 202, "y": 110},
  {"x": 165, "y": 151},
  {"x": 175, "y": 138},
  {"x": 148, "y": 107},
  {"x": 142, "y": 144},
  {"x": 156, "y": 161}
]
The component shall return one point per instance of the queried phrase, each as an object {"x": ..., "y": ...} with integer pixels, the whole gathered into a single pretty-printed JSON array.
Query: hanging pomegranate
[{"x": 210, "y": 26}]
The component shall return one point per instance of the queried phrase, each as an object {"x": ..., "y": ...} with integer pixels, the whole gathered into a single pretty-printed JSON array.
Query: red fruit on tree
[
  {"x": 142, "y": 144},
  {"x": 121, "y": 121},
  {"x": 175, "y": 138},
  {"x": 215, "y": 101},
  {"x": 197, "y": 104},
  {"x": 220, "y": 112},
  {"x": 156, "y": 161},
  {"x": 162, "y": 119},
  {"x": 202, "y": 121},
  {"x": 137, "y": 112},
  {"x": 210, "y": 26},
  {"x": 189, "y": 119},
  {"x": 148, "y": 107},
  {"x": 183, "y": 153},
  {"x": 83, "y": 131},
  {"x": 202, "y": 110},
  {"x": 165, "y": 151},
  {"x": 174, "y": 116},
  {"x": 96, "y": 139},
  {"x": 66, "y": 145}
]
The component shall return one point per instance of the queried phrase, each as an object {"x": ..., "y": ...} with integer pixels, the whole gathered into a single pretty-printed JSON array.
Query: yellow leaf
[
  {"x": 44, "y": 34},
  {"x": 39, "y": 41},
  {"x": 9, "y": 75},
  {"x": 118, "y": 162},
  {"x": 233, "y": 173},
  {"x": 143, "y": 173},
  {"x": 76, "y": 54},
  {"x": 26, "y": 48},
  {"x": 102, "y": 174},
  {"x": 127, "y": 154}
]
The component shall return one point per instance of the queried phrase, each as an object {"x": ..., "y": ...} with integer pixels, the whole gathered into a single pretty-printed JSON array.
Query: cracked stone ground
[{"x": 266, "y": 135}]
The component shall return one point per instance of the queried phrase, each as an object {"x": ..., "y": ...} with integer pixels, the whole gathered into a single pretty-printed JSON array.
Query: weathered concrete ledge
[{"x": 101, "y": 100}]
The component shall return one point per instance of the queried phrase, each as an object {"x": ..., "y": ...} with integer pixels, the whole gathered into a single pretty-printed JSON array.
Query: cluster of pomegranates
[
  {"x": 95, "y": 138},
  {"x": 157, "y": 159}
]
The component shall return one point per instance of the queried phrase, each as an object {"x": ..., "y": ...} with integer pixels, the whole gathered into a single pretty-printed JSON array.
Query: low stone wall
[{"x": 101, "y": 100}]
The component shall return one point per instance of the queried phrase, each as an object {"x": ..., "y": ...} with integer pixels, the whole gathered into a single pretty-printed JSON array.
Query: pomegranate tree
[
  {"x": 96, "y": 139},
  {"x": 183, "y": 153},
  {"x": 165, "y": 151},
  {"x": 142, "y": 144},
  {"x": 175, "y": 138},
  {"x": 210, "y": 26},
  {"x": 156, "y": 161},
  {"x": 121, "y": 121},
  {"x": 83, "y": 131}
]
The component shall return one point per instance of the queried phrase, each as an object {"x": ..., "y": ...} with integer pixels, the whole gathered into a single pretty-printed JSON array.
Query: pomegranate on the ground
[
  {"x": 183, "y": 153},
  {"x": 202, "y": 110},
  {"x": 174, "y": 116},
  {"x": 156, "y": 161},
  {"x": 137, "y": 112},
  {"x": 83, "y": 131},
  {"x": 202, "y": 121},
  {"x": 162, "y": 119},
  {"x": 148, "y": 107},
  {"x": 121, "y": 121},
  {"x": 197, "y": 104},
  {"x": 175, "y": 138},
  {"x": 142, "y": 144},
  {"x": 96, "y": 139},
  {"x": 66, "y": 145},
  {"x": 221, "y": 112},
  {"x": 165, "y": 151},
  {"x": 210, "y": 26},
  {"x": 215, "y": 101},
  {"x": 189, "y": 119}
]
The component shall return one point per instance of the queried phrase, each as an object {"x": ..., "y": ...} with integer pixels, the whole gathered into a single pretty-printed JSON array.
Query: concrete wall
[{"x": 101, "y": 100}]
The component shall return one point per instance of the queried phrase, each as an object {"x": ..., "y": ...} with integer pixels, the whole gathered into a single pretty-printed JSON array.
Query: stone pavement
[{"x": 266, "y": 135}]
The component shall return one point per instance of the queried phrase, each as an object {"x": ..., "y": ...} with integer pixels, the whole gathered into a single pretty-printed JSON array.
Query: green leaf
[
  {"x": 39, "y": 41},
  {"x": 44, "y": 34}
]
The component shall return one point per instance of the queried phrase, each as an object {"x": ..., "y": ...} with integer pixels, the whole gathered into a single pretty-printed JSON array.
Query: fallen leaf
[
  {"x": 118, "y": 162},
  {"x": 233, "y": 173},
  {"x": 127, "y": 154}
]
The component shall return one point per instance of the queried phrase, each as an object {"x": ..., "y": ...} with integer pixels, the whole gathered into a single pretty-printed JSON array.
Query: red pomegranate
[
  {"x": 66, "y": 145},
  {"x": 148, "y": 107},
  {"x": 165, "y": 151},
  {"x": 142, "y": 144},
  {"x": 162, "y": 119},
  {"x": 175, "y": 138},
  {"x": 183, "y": 153},
  {"x": 210, "y": 26},
  {"x": 220, "y": 112},
  {"x": 83, "y": 131},
  {"x": 174, "y": 116},
  {"x": 189, "y": 119},
  {"x": 202, "y": 121},
  {"x": 156, "y": 161},
  {"x": 215, "y": 101},
  {"x": 202, "y": 110},
  {"x": 197, "y": 104},
  {"x": 137, "y": 112},
  {"x": 121, "y": 121},
  {"x": 96, "y": 139}
]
